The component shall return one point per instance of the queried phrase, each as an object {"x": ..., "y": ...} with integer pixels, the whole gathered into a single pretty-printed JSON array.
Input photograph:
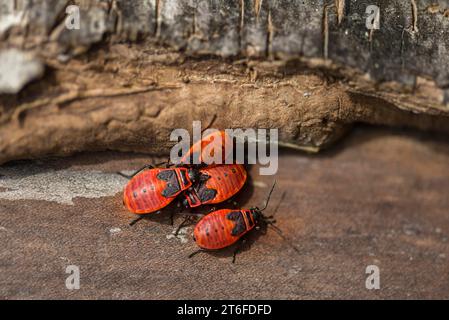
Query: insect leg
[
  {"x": 182, "y": 225},
  {"x": 195, "y": 253},
  {"x": 168, "y": 163},
  {"x": 172, "y": 218},
  {"x": 136, "y": 220},
  {"x": 237, "y": 250},
  {"x": 210, "y": 123},
  {"x": 173, "y": 213}
]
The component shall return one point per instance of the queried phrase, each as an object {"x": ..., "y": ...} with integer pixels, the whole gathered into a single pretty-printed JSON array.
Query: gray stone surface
[{"x": 31, "y": 181}]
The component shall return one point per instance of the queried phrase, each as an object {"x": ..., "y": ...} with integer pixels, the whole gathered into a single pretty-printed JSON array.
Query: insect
[
  {"x": 223, "y": 228},
  {"x": 217, "y": 184},
  {"x": 201, "y": 151},
  {"x": 151, "y": 189}
]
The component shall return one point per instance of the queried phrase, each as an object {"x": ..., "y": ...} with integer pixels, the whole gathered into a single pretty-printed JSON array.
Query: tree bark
[{"x": 136, "y": 70}]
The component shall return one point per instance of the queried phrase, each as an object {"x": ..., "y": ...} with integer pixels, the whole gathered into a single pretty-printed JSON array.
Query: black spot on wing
[
  {"x": 171, "y": 178},
  {"x": 166, "y": 175},
  {"x": 239, "y": 222},
  {"x": 205, "y": 194}
]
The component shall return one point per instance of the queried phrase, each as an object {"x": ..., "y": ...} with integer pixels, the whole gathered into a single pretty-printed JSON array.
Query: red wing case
[
  {"x": 222, "y": 228},
  {"x": 153, "y": 189},
  {"x": 219, "y": 183}
]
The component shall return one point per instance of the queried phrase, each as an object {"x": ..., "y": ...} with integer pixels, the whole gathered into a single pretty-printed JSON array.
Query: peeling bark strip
[
  {"x": 242, "y": 27},
  {"x": 269, "y": 44},
  {"x": 340, "y": 4}
]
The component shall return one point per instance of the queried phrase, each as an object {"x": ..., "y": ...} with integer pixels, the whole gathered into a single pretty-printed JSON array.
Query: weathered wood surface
[
  {"x": 377, "y": 199},
  {"x": 134, "y": 58}
]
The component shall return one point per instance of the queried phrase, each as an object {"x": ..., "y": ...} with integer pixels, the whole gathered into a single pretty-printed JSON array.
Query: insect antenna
[
  {"x": 145, "y": 167},
  {"x": 277, "y": 207},
  {"x": 269, "y": 196},
  {"x": 210, "y": 123}
]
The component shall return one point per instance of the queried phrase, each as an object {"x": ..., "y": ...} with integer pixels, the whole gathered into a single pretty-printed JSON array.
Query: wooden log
[{"x": 135, "y": 70}]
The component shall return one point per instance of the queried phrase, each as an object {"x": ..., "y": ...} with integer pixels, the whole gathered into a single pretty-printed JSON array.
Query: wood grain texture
[{"x": 377, "y": 199}]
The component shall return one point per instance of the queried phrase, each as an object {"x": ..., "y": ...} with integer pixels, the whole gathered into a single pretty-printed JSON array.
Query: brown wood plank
[{"x": 378, "y": 199}]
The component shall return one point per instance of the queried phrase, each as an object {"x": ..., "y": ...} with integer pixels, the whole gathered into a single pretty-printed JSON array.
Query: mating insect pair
[
  {"x": 155, "y": 188},
  {"x": 152, "y": 189}
]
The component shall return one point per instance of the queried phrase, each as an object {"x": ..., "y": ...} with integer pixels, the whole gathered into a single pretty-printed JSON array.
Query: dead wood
[{"x": 138, "y": 69}]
